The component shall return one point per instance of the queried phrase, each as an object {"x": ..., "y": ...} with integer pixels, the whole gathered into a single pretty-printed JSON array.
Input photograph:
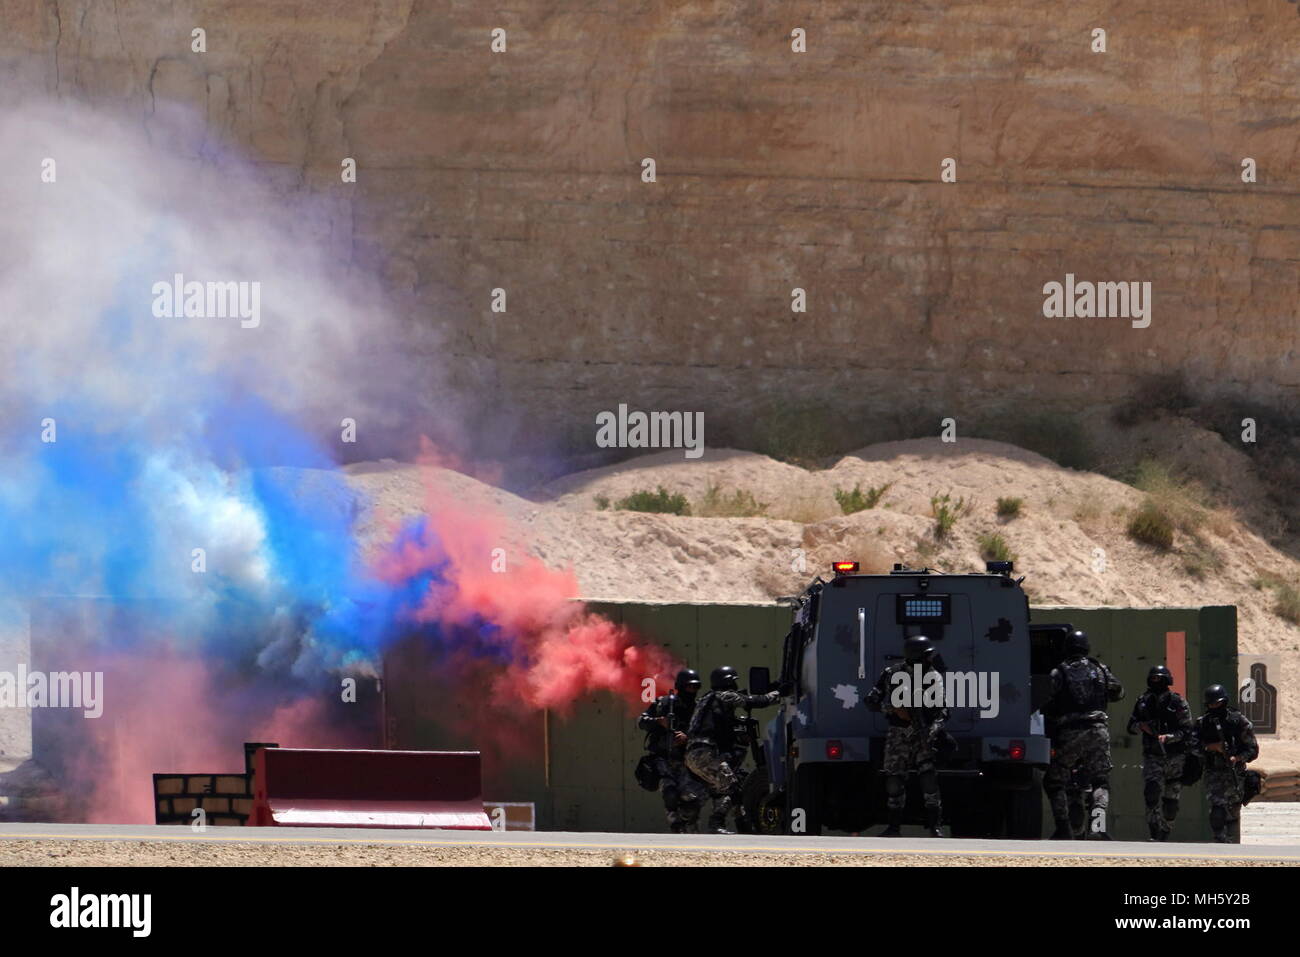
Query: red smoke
[
  {"x": 557, "y": 649},
  {"x": 164, "y": 713}
]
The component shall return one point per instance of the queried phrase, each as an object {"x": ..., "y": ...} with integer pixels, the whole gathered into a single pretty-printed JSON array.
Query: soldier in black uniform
[
  {"x": 910, "y": 743},
  {"x": 1081, "y": 687},
  {"x": 1161, "y": 714},
  {"x": 1225, "y": 740},
  {"x": 710, "y": 745},
  {"x": 665, "y": 723}
]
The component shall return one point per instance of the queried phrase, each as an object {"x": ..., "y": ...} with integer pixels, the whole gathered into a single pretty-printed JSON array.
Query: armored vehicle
[{"x": 823, "y": 750}]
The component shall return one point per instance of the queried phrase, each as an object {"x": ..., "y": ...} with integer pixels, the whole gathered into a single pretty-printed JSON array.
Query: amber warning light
[{"x": 845, "y": 568}]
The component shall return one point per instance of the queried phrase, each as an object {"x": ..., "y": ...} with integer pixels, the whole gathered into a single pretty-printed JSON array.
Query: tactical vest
[
  {"x": 659, "y": 740},
  {"x": 1162, "y": 712},
  {"x": 1084, "y": 686},
  {"x": 1227, "y": 728}
]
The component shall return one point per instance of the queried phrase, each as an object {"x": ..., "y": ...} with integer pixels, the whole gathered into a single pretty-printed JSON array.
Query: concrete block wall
[{"x": 226, "y": 799}]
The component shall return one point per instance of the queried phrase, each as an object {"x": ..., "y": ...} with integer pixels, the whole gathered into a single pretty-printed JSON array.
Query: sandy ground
[{"x": 28, "y": 853}]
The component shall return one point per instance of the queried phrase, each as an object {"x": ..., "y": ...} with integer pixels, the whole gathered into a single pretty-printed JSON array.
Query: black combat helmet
[
  {"x": 1076, "y": 643},
  {"x": 1159, "y": 678},
  {"x": 688, "y": 681},
  {"x": 917, "y": 648},
  {"x": 724, "y": 679},
  {"x": 1215, "y": 695}
]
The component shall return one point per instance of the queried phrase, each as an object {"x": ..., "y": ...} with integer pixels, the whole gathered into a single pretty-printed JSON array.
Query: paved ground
[
  {"x": 81, "y": 844},
  {"x": 1265, "y": 822}
]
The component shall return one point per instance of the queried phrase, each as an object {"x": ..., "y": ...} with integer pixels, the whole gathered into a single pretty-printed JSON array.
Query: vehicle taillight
[
  {"x": 1017, "y": 750},
  {"x": 834, "y": 750}
]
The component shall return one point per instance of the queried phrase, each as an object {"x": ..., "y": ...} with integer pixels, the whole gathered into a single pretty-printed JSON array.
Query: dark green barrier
[{"x": 601, "y": 794}]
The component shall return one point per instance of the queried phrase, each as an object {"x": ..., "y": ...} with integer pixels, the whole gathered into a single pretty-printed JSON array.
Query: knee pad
[
  {"x": 929, "y": 781},
  {"x": 894, "y": 785},
  {"x": 1218, "y": 817},
  {"x": 1151, "y": 793}
]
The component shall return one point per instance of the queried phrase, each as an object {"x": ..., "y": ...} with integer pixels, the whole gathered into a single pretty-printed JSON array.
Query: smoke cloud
[{"x": 186, "y": 466}]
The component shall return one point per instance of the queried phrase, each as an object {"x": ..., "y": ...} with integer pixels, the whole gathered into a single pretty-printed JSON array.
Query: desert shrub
[
  {"x": 1287, "y": 605},
  {"x": 659, "y": 501},
  {"x": 602, "y": 502},
  {"x": 1267, "y": 580},
  {"x": 1200, "y": 560},
  {"x": 994, "y": 548},
  {"x": 739, "y": 504},
  {"x": 1152, "y": 526},
  {"x": 945, "y": 512},
  {"x": 1185, "y": 502},
  {"x": 858, "y": 500},
  {"x": 1009, "y": 507}
]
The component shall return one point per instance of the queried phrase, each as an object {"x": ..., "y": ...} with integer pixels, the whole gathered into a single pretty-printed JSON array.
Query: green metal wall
[{"x": 578, "y": 769}]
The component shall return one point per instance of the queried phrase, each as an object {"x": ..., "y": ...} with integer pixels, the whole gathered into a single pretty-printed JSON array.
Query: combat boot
[
  {"x": 1156, "y": 833},
  {"x": 895, "y": 822},
  {"x": 1063, "y": 830},
  {"x": 933, "y": 827}
]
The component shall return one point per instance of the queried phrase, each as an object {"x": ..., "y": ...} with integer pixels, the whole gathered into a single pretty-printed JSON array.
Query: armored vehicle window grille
[{"x": 915, "y": 609}]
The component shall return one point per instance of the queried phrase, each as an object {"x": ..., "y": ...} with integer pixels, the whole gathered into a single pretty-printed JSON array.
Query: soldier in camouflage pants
[
  {"x": 683, "y": 793},
  {"x": 910, "y": 747},
  {"x": 910, "y": 735},
  {"x": 712, "y": 768},
  {"x": 1161, "y": 715},
  {"x": 1223, "y": 791},
  {"x": 1087, "y": 749},
  {"x": 1162, "y": 775},
  {"x": 1076, "y": 711},
  {"x": 665, "y": 723},
  {"x": 711, "y": 740},
  {"x": 1225, "y": 740}
]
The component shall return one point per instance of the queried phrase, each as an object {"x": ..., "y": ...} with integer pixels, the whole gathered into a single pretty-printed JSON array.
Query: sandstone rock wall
[{"x": 819, "y": 170}]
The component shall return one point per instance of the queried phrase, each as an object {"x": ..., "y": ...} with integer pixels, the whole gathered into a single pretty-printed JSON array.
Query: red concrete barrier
[{"x": 310, "y": 788}]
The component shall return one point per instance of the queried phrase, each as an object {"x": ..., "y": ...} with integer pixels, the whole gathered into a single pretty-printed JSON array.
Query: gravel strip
[{"x": 39, "y": 853}]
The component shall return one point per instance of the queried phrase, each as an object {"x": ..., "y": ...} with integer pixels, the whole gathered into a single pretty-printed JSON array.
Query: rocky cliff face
[{"x": 775, "y": 170}]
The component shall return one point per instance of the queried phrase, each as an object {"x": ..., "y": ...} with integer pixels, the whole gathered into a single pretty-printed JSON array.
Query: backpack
[
  {"x": 1085, "y": 685},
  {"x": 1252, "y": 783},
  {"x": 704, "y": 720},
  {"x": 647, "y": 773}
]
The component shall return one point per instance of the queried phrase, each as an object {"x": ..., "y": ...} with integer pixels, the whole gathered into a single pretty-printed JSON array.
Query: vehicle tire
[
  {"x": 1024, "y": 811},
  {"x": 765, "y": 808},
  {"x": 806, "y": 795}
]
